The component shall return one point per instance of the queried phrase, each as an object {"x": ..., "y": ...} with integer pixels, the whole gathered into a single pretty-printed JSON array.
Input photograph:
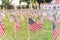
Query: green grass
[{"x": 44, "y": 34}]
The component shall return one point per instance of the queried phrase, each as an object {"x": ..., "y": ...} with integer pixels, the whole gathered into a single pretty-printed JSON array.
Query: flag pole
[
  {"x": 27, "y": 23},
  {"x": 28, "y": 35},
  {"x": 14, "y": 31},
  {"x": 37, "y": 31},
  {"x": 28, "y": 20},
  {"x": 37, "y": 35},
  {"x": 15, "y": 8},
  {"x": 15, "y": 34},
  {"x": 36, "y": 20},
  {"x": 28, "y": 30}
]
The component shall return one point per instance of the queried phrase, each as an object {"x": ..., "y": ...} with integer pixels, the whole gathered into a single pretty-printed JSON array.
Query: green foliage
[
  {"x": 42, "y": 1},
  {"x": 23, "y": 0},
  {"x": 5, "y": 3}
]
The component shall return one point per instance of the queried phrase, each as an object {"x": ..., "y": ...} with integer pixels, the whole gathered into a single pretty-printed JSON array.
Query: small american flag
[
  {"x": 21, "y": 16},
  {"x": 11, "y": 17},
  {"x": 55, "y": 30},
  {"x": 1, "y": 29},
  {"x": 40, "y": 21},
  {"x": 57, "y": 1},
  {"x": 38, "y": 17},
  {"x": 33, "y": 26},
  {"x": 49, "y": 17},
  {"x": 17, "y": 25}
]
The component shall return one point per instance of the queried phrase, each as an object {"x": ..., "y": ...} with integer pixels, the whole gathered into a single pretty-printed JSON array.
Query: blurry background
[{"x": 9, "y": 4}]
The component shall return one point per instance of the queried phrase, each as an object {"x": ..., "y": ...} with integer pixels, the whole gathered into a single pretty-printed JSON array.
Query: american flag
[
  {"x": 38, "y": 17},
  {"x": 40, "y": 21},
  {"x": 49, "y": 16},
  {"x": 11, "y": 17},
  {"x": 1, "y": 29},
  {"x": 57, "y": 1},
  {"x": 55, "y": 30},
  {"x": 17, "y": 25},
  {"x": 22, "y": 17},
  {"x": 33, "y": 26}
]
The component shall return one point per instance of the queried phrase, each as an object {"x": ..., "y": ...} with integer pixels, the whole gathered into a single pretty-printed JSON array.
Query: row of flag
[{"x": 32, "y": 25}]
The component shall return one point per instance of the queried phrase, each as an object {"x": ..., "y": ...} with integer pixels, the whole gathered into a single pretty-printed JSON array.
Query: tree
[
  {"x": 24, "y": 0},
  {"x": 48, "y": 1},
  {"x": 42, "y": 1},
  {"x": 6, "y": 3}
]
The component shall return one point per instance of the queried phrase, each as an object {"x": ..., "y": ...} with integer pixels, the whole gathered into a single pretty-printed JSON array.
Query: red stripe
[
  {"x": 34, "y": 27},
  {"x": 55, "y": 34},
  {"x": 1, "y": 30},
  {"x": 17, "y": 26},
  {"x": 57, "y": 1}
]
